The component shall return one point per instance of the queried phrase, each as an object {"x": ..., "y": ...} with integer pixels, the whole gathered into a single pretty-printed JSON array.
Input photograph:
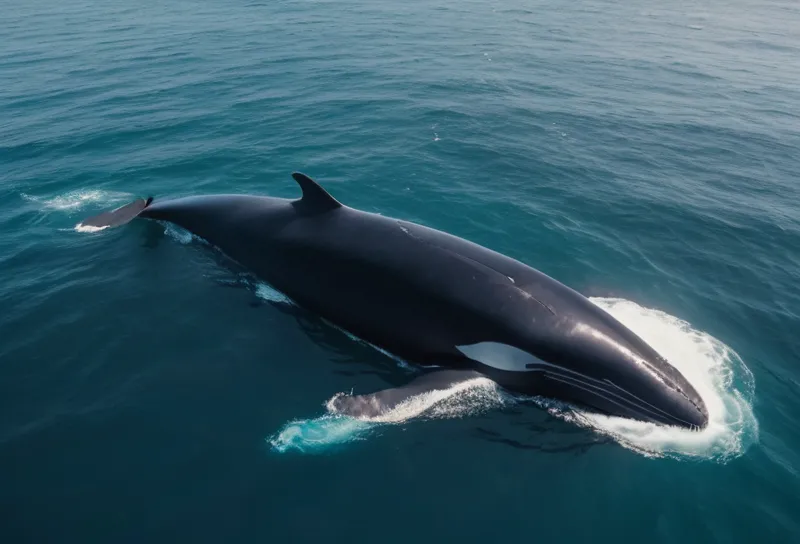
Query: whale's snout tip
[
  {"x": 683, "y": 405},
  {"x": 698, "y": 418}
]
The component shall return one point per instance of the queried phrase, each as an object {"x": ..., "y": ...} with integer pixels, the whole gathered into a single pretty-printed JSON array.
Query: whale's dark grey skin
[{"x": 433, "y": 298}]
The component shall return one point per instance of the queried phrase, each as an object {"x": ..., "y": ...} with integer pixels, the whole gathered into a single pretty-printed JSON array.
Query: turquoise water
[{"x": 645, "y": 154}]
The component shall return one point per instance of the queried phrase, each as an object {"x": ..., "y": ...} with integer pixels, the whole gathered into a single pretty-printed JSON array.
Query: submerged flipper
[
  {"x": 315, "y": 198},
  {"x": 377, "y": 404},
  {"x": 115, "y": 218}
]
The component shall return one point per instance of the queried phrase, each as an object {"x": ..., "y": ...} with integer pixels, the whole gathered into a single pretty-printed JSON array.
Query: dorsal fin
[{"x": 315, "y": 198}]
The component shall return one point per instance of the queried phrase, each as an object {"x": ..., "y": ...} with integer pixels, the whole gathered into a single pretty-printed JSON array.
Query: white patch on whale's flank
[{"x": 501, "y": 356}]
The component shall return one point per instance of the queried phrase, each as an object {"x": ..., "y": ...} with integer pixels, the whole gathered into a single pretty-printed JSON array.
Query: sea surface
[{"x": 644, "y": 153}]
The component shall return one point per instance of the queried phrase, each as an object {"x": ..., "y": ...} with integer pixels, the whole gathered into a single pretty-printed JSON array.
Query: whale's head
[{"x": 597, "y": 364}]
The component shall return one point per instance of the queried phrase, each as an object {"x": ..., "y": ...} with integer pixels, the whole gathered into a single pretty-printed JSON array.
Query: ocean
[{"x": 645, "y": 154}]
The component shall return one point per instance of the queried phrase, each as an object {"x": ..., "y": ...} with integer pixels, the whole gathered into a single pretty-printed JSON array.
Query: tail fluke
[{"x": 114, "y": 218}]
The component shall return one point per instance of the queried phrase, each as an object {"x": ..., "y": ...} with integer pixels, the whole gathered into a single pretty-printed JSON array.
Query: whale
[{"x": 455, "y": 309}]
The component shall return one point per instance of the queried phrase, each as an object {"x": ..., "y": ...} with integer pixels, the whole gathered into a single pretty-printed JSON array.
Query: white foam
[
  {"x": 322, "y": 433},
  {"x": 460, "y": 399},
  {"x": 80, "y": 227},
  {"x": 75, "y": 200},
  {"x": 333, "y": 429},
  {"x": 714, "y": 370},
  {"x": 179, "y": 234},
  {"x": 269, "y": 293}
]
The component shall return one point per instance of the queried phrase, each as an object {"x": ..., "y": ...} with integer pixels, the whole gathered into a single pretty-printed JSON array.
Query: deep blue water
[{"x": 644, "y": 154}]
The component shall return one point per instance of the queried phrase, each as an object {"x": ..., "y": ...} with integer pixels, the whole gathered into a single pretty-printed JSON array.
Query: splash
[
  {"x": 319, "y": 434},
  {"x": 461, "y": 399},
  {"x": 80, "y": 227},
  {"x": 75, "y": 200},
  {"x": 266, "y": 292},
  {"x": 335, "y": 430},
  {"x": 179, "y": 234},
  {"x": 714, "y": 370}
]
